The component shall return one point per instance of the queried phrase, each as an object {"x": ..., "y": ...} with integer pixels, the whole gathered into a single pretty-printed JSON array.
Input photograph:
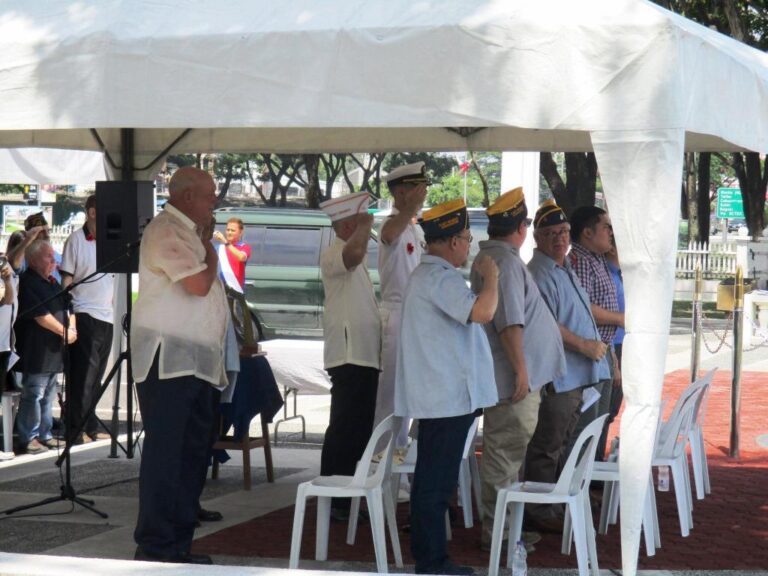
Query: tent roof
[{"x": 298, "y": 76}]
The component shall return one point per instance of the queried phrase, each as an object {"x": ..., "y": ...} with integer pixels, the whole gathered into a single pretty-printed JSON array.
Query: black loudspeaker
[{"x": 123, "y": 210}]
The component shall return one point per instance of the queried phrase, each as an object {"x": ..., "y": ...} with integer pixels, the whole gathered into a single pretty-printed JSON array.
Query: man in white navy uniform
[{"x": 401, "y": 243}]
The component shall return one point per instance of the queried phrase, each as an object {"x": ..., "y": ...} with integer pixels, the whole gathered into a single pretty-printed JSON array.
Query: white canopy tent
[
  {"x": 46, "y": 166},
  {"x": 625, "y": 78}
]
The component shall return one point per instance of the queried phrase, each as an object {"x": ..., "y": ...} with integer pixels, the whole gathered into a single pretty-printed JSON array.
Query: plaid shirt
[{"x": 592, "y": 270}]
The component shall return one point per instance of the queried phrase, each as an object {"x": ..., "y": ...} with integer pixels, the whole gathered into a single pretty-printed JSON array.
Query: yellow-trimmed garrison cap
[
  {"x": 415, "y": 173},
  {"x": 446, "y": 219},
  {"x": 549, "y": 214},
  {"x": 508, "y": 210}
]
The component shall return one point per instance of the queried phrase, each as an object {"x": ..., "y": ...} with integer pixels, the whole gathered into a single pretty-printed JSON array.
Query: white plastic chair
[
  {"x": 670, "y": 451},
  {"x": 572, "y": 489},
  {"x": 608, "y": 473},
  {"x": 696, "y": 442},
  {"x": 373, "y": 487},
  {"x": 9, "y": 405},
  {"x": 469, "y": 474}
]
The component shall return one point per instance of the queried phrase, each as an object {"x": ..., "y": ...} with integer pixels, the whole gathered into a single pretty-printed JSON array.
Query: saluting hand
[{"x": 487, "y": 268}]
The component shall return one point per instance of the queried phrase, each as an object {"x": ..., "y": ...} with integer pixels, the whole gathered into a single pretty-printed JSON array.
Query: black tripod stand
[{"x": 67, "y": 491}]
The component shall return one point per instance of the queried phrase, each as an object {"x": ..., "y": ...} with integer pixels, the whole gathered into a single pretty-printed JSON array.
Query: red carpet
[{"x": 730, "y": 526}]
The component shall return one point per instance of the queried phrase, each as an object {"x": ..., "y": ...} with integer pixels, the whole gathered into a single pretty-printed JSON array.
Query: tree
[
  {"x": 746, "y": 21},
  {"x": 580, "y": 184},
  {"x": 370, "y": 166},
  {"x": 282, "y": 167}
]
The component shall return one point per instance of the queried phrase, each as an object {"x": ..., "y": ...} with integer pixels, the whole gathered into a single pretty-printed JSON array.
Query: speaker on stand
[{"x": 123, "y": 210}]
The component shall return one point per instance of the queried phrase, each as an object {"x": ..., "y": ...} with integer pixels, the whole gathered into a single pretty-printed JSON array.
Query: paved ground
[{"x": 64, "y": 531}]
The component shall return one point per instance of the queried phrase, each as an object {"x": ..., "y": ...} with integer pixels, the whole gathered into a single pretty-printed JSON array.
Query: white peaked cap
[{"x": 346, "y": 206}]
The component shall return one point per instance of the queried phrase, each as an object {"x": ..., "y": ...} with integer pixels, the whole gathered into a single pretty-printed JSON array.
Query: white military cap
[
  {"x": 346, "y": 206},
  {"x": 415, "y": 173}
]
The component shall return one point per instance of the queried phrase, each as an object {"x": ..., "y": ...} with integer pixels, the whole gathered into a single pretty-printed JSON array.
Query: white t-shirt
[
  {"x": 189, "y": 330},
  {"x": 397, "y": 260},
  {"x": 351, "y": 322},
  {"x": 93, "y": 297}
]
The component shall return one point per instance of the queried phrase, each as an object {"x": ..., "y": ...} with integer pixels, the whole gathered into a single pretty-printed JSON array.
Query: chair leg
[
  {"x": 497, "y": 536},
  {"x": 682, "y": 500},
  {"x": 246, "y": 448},
  {"x": 298, "y": 527},
  {"x": 394, "y": 537},
  {"x": 704, "y": 463},
  {"x": 565, "y": 543},
  {"x": 688, "y": 490},
  {"x": 589, "y": 533},
  {"x": 448, "y": 531},
  {"x": 465, "y": 493},
  {"x": 605, "y": 507},
  {"x": 474, "y": 472},
  {"x": 8, "y": 416},
  {"x": 376, "y": 511},
  {"x": 654, "y": 512},
  {"x": 215, "y": 468},
  {"x": 267, "y": 452},
  {"x": 579, "y": 535},
  {"x": 648, "y": 535},
  {"x": 323, "y": 522},
  {"x": 354, "y": 512},
  {"x": 515, "y": 529}
]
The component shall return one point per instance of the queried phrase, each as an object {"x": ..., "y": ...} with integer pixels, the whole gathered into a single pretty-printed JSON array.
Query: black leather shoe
[
  {"x": 209, "y": 515},
  {"x": 176, "y": 559},
  {"x": 194, "y": 559},
  {"x": 448, "y": 568}
]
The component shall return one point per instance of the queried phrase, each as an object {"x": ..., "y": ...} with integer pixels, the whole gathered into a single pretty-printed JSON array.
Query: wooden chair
[{"x": 246, "y": 444}]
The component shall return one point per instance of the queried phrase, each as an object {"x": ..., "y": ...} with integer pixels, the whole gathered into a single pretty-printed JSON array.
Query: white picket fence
[
  {"x": 58, "y": 235},
  {"x": 716, "y": 261}
]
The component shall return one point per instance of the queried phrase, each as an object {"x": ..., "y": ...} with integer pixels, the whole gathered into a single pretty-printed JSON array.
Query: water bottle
[
  {"x": 663, "y": 478},
  {"x": 519, "y": 560}
]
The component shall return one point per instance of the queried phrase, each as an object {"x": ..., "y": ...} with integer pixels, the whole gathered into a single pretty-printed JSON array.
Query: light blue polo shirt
[
  {"x": 444, "y": 364},
  {"x": 569, "y": 303}
]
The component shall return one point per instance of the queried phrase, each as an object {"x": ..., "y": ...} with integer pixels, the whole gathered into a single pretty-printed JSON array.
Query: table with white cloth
[{"x": 298, "y": 368}]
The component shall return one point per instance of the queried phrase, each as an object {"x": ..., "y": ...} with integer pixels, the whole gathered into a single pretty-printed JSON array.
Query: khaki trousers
[{"x": 507, "y": 429}]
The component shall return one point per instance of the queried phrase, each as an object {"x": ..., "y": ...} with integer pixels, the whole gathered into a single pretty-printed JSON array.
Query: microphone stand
[{"x": 67, "y": 491}]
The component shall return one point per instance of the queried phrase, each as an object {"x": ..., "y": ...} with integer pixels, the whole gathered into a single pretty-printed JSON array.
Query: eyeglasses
[
  {"x": 552, "y": 234},
  {"x": 467, "y": 238}
]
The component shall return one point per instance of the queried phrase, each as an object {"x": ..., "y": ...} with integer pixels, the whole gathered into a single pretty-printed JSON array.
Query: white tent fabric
[
  {"x": 47, "y": 166},
  {"x": 623, "y": 77}
]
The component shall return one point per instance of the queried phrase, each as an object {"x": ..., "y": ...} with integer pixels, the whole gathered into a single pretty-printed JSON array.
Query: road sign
[{"x": 729, "y": 203}]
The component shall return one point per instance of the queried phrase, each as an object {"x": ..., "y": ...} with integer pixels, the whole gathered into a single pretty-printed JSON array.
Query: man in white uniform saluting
[{"x": 401, "y": 244}]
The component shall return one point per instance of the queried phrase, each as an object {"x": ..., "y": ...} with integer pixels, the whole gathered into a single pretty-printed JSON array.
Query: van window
[{"x": 290, "y": 247}]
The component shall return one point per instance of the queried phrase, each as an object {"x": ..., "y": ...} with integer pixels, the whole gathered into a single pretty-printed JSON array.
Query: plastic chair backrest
[
  {"x": 384, "y": 468},
  {"x": 578, "y": 468},
  {"x": 676, "y": 429},
  {"x": 470, "y": 443},
  {"x": 705, "y": 380}
]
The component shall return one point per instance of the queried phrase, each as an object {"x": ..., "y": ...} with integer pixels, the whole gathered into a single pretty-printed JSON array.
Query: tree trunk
[
  {"x": 548, "y": 171},
  {"x": 313, "y": 194},
  {"x": 704, "y": 211},
  {"x": 483, "y": 180},
  {"x": 580, "y": 181},
  {"x": 753, "y": 183},
  {"x": 688, "y": 194}
]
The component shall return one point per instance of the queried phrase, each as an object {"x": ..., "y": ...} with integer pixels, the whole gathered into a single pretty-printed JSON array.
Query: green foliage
[
  {"x": 11, "y": 189},
  {"x": 452, "y": 187}
]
